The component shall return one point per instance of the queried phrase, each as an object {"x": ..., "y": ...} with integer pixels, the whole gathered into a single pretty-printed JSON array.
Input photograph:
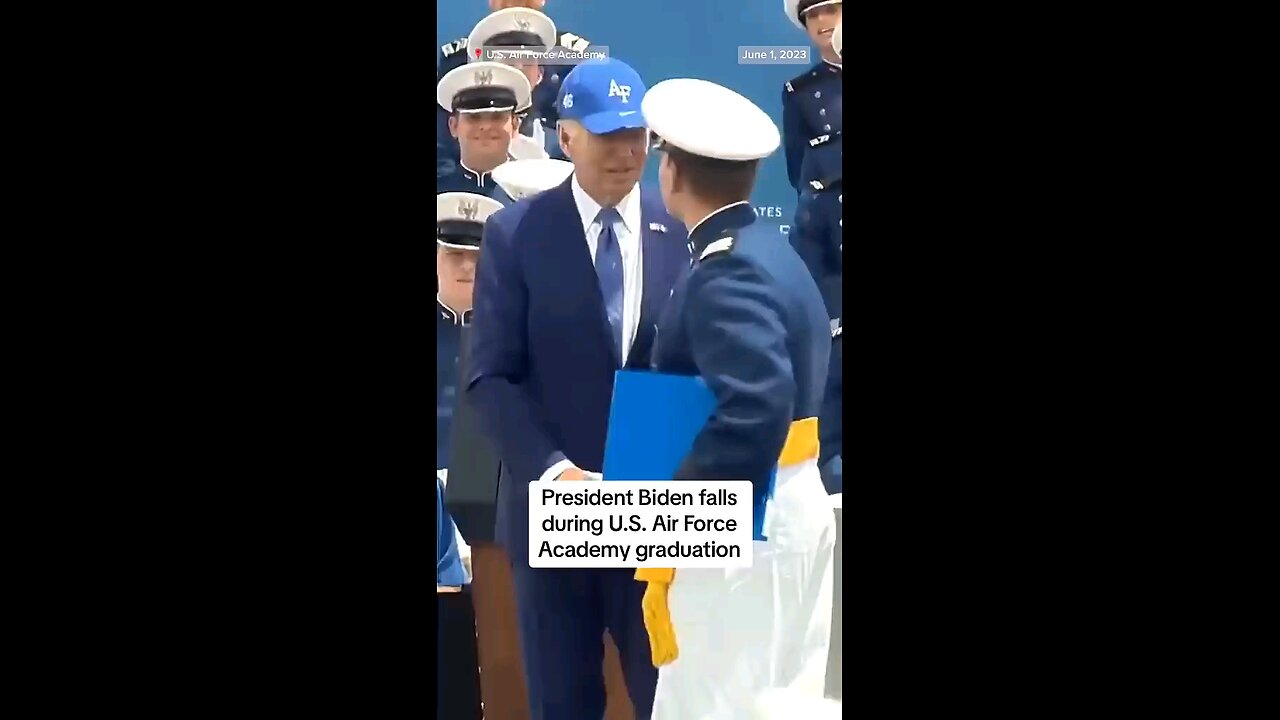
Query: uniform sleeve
[
  {"x": 499, "y": 360},
  {"x": 449, "y": 569},
  {"x": 738, "y": 340},
  {"x": 793, "y": 137}
]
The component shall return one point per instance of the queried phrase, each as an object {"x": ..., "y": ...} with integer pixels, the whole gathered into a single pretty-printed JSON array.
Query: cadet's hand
[{"x": 572, "y": 473}]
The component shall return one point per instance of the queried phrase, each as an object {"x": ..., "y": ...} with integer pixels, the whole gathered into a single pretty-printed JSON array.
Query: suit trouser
[
  {"x": 564, "y": 614},
  {"x": 747, "y": 632}
]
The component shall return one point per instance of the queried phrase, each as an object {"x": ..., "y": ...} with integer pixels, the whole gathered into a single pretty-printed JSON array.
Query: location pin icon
[{"x": 478, "y": 51}]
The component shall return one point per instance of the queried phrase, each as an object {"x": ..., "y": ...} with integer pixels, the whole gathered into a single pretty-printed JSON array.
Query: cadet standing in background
[
  {"x": 748, "y": 319},
  {"x": 818, "y": 237},
  {"x": 460, "y": 221},
  {"x": 812, "y": 120},
  {"x": 540, "y": 123},
  {"x": 482, "y": 99}
]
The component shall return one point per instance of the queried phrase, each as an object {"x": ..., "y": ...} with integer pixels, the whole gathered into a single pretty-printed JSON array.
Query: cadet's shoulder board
[
  {"x": 718, "y": 246},
  {"x": 450, "y": 48},
  {"x": 798, "y": 82}
]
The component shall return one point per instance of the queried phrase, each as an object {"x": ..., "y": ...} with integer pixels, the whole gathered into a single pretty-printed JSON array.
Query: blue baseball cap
[{"x": 603, "y": 95}]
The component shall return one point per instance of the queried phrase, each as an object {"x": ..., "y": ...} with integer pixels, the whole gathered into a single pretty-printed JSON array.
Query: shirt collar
[
  {"x": 480, "y": 176},
  {"x": 721, "y": 220},
  {"x": 588, "y": 209},
  {"x": 448, "y": 313}
]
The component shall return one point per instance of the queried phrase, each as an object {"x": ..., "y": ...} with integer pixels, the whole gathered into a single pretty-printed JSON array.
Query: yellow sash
[{"x": 801, "y": 445}]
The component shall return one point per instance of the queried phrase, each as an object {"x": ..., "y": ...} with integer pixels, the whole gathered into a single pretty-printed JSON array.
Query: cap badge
[
  {"x": 484, "y": 77},
  {"x": 468, "y": 209},
  {"x": 522, "y": 24}
]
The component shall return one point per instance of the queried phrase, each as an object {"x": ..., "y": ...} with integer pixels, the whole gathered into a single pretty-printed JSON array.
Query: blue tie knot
[{"x": 608, "y": 216}]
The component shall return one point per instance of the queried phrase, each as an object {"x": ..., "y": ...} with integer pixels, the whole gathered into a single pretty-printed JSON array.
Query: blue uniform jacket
[
  {"x": 449, "y": 569},
  {"x": 454, "y": 54},
  {"x": 747, "y": 318},
  {"x": 463, "y": 179},
  {"x": 813, "y": 124},
  {"x": 542, "y": 360},
  {"x": 448, "y": 330}
]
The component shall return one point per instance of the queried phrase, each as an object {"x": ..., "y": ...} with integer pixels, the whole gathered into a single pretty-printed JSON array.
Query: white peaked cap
[
  {"x": 465, "y": 207},
  {"x": 514, "y": 19},
  {"x": 524, "y": 147},
  {"x": 522, "y": 178},
  {"x": 491, "y": 82},
  {"x": 792, "y": 9},
  {"x": 709, "y": 120}
]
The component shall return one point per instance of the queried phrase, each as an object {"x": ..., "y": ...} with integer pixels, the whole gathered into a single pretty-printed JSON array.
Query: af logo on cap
[
  {"x": 622, "y": 91},
  {"x": 484, "y": 77}
]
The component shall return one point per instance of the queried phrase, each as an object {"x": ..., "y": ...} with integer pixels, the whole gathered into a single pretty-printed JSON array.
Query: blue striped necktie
[{"x": 609, "y": 272}]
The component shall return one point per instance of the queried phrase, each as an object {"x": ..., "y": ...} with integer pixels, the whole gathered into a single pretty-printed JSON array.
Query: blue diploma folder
[{"x": 653, "y": 422}]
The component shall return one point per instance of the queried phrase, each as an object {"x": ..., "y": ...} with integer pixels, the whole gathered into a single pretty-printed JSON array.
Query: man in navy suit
[{"x": 569, "y": 288}]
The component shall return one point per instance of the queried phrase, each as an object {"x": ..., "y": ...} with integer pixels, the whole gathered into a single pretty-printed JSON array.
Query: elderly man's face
[
  {"x": 608, "y": 166},
  {"x": 820, "y": 22},
  {"x": 496, "y": 5}
]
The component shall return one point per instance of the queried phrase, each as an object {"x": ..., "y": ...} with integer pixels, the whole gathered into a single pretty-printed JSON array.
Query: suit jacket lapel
[
  {"x": 653, "y": 262},
  {"x": 577, "y": 255}
]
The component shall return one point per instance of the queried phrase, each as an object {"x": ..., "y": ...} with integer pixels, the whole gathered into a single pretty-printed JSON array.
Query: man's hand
[{"x": 572, "y": 473}]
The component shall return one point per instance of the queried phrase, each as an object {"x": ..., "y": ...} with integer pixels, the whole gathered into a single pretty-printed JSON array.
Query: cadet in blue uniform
[
  {"x": 482, "y": 99},
  {"x": 812, "y": 115},
  {"x": 818, "y": 238},
  {"x": 747, "y": 318},
  {"x": 460, "y": 220},
  {"x": 539, "y": 122}
]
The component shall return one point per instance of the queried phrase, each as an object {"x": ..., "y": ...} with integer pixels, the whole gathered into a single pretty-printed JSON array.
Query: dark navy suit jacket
[{"x": 542, "y": 362}]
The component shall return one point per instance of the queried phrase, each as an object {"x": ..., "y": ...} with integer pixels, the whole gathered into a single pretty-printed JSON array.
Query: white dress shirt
[{"x": 628, "y": 233}]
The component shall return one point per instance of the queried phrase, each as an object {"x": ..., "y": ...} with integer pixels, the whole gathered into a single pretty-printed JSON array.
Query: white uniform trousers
[{"x": 746, "y": 633}]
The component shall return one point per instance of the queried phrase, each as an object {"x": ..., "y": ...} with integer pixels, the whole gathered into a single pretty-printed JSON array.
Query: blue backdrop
[{"x": 665, "y": 39}]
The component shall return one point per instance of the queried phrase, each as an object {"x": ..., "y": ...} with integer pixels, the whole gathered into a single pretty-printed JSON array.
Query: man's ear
[
  {"x": 562, "y": 134},
  {"x": 453, "y": 125}
]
